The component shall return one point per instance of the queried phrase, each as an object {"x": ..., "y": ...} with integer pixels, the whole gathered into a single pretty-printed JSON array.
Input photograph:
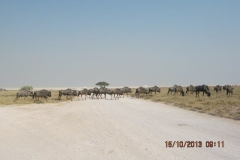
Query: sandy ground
[{"x": 112, "y": 129}]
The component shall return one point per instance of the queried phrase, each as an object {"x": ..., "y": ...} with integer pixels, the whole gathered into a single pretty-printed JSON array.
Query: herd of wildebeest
[{"x": 118, "y": 92}]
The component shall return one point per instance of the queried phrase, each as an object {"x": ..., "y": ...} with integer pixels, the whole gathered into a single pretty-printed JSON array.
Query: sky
[{"x": 125, "y": 43}]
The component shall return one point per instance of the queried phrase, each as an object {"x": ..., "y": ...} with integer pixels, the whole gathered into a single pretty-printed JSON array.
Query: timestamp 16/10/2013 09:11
[{"x": 194, "y": 144}]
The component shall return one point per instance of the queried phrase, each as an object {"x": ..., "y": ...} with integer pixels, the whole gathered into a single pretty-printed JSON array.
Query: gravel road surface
[{"x": 127, "y": 128}]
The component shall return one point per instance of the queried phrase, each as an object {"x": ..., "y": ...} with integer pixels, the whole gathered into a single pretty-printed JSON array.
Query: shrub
[{"x": 26, "y": 88}]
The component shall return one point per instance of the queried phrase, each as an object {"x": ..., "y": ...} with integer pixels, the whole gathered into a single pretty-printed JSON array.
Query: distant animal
[
  {"x": 67, "y": 92},
  {"x": 42, "y": 94},
  {"x": 103, "y": 91},
  {"x": 229, "y": 90},
  {"x": 172, "y": 89},
  {"x": 180, "y": 90},
  {"x": 154, "y": 89},
  {"x": 141, "y": 90},
  {"x": 226, "y": 86},
  {"x": 116, "y": 93},
  {"x": 126, "y": 90},
  {"x": 217, "y": 88},
  {"x": 119, "y": 92},
  {"x": 94, "y": 91},
  {"x": 83, "y": 92},
  {"x": 190, "y": 89},
  {"x": 202, "y": 88},
  {"x": 24, "y": 94}
]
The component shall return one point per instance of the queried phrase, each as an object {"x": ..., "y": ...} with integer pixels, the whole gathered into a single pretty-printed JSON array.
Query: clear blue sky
[{"x": 79, "y": 43}]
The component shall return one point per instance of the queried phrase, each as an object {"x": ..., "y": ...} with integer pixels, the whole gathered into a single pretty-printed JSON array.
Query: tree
[
  {"x": 26, "y": 88},
  {"x": 102, "y": 84}
]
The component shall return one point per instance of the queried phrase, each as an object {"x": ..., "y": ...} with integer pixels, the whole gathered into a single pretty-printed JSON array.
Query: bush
[{"x": 26, "y": 88}]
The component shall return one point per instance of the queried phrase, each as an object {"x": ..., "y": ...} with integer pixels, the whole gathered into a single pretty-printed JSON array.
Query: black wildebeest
[
  {"x": 180, "y": 90},
  {"x": 217, "y": 88},
  {"x": 67, "y": 92},
  {"x": 24, "y": 94},
  {"x": 42, "y": 93},
  {"x": 172, "y": 89},
  {"x": 229, "y": 90},
  {"x": 190, "y": 89},
  {"x": 154, "y": 89},
  {"x": 204, "y": 89},
  {"x": 140, "y": 90}
]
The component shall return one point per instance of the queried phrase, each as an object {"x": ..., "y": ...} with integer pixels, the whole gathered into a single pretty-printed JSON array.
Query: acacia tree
[{"x": 102, "y": 84}]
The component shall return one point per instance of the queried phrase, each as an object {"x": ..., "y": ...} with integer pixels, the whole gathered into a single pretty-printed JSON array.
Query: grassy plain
[
  {"x": 219, "y": 104},
  {"x": 9, "y": 98}
]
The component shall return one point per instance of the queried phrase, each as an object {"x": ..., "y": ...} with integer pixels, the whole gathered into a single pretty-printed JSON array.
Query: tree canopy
[{"x": 102, "y": 84}]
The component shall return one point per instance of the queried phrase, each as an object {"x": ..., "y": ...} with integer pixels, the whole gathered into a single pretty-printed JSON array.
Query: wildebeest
[
  {"x": 116, "y": 93},
  {"x": 94, "y": 91},
  {"x": 140, "y": 90},
  {"x": 202, "y": 88},
  {"x": 217, "y": 88},
  {"x": 190, "y": 89},
  {"x": 103, "y": 91},
  {"x": 83, "y": 92},
  {"x": 126, "y": 90},
  {"x": 172, "y": 89},
  {"x": 226, "y": 86},
  {"x": 180, "y": 90},
  {"x": 154, "y": 89},
  {"x": 24, "y": 94},
  {"x": 67, "y": 92},
  {"x": 42, "y": 93},
  {"x": 229, "y": 90}
]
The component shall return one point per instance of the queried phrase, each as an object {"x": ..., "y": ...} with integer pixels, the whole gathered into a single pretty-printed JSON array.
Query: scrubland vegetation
[
  {"x": 9, "y": 98},
  {"x": 219, "y": 104}
]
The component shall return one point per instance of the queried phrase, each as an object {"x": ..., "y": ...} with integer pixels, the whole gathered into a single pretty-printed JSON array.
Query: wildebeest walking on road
[
  {"x": 116, "y": 93},
  {"x": 103, "y": 91},
  {"x": 83, "y": 92},
  {"x": 126, "y": 90},
  {"x": 67, "y": 92}
]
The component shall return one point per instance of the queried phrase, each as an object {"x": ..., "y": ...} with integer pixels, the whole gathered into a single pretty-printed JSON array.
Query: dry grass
[
  {"x": 218, "y": 104},
  {"x": 9, "y": 98}
]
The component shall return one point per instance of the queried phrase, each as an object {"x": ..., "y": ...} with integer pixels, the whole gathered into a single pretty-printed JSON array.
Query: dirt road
[{"x": 112, "y": 129}]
